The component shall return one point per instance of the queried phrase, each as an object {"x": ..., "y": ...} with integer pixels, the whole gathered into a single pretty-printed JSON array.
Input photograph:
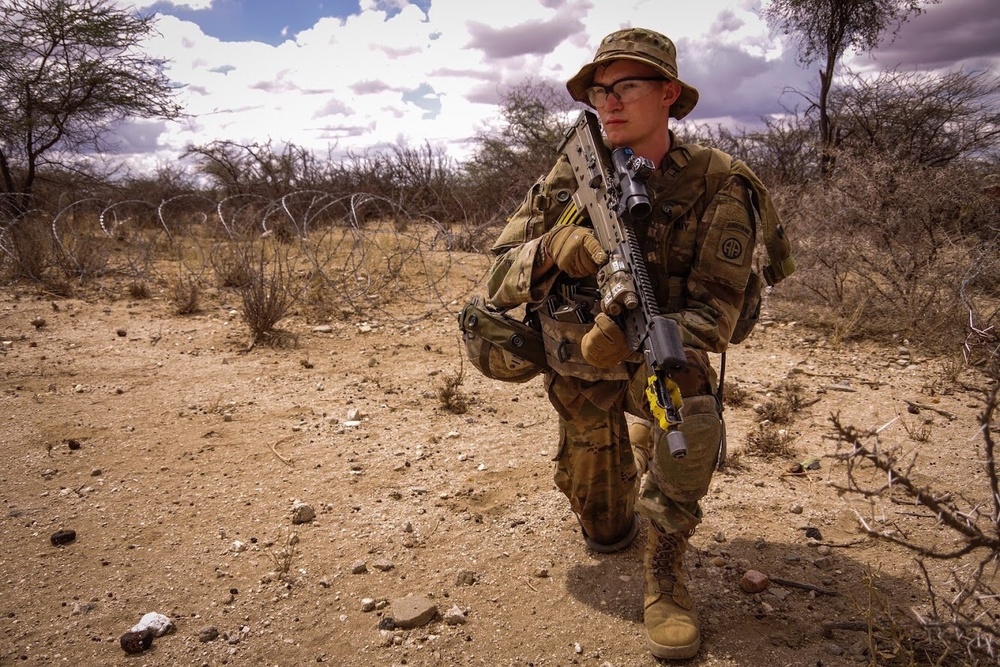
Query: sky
[{"x": 336, "y": 76}]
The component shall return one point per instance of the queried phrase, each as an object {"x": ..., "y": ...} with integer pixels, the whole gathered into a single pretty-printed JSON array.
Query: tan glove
[
  {"x": 605, "y": 344},
  {"x": 575, "y": 250}
]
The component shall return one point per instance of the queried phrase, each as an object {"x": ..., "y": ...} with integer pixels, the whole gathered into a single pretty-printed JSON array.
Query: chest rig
[{"x": 681, "y": 191}]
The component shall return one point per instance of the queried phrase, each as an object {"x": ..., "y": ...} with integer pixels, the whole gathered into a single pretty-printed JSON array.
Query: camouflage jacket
[{"x": 699, "y": 259}]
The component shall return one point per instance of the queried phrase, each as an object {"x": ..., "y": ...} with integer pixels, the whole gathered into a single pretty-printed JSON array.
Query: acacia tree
[
  {"x": 534, "y": 118},
  {"x": 827, "y": 28},
  {"x": 69, "y": 71},
  {"x": 926, "y": 119}
]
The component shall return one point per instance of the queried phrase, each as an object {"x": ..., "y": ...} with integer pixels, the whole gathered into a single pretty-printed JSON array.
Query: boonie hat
[{"x": 641, "y": 45}]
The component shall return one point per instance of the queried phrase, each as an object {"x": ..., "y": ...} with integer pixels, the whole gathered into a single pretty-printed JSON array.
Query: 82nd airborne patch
[{"x": 734, "y": 242}]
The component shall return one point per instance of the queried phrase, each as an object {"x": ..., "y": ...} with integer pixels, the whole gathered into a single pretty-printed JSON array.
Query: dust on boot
[{"x": 672, "y": 628}]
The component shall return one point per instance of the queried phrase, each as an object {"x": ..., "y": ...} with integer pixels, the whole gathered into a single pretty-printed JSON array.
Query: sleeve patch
[{"x": 734, "y": 243}]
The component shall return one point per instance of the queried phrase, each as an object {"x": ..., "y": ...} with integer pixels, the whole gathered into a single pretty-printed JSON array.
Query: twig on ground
[
  {"x": 805, "y": 586},
  {"x": 274, "y": 449},
  {"x": 840, "y": 545},
  {"x": 856, "y": 626},
  {"x": 922, "y": 406}
]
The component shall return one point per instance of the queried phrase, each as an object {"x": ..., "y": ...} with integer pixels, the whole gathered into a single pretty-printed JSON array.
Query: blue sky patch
[{"x": 267, "y": 21}]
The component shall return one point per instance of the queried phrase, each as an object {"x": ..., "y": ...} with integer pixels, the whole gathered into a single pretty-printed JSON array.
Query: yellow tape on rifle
[
  {"x": 673, "y": 391},
  {"x": 571, "y": 215}
]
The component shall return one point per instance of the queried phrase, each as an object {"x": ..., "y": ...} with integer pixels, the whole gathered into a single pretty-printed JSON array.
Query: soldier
[{"x": 699, "y": 261}]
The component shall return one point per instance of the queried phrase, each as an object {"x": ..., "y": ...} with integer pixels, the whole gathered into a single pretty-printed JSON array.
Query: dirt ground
[{"x": 177, "y": 460}]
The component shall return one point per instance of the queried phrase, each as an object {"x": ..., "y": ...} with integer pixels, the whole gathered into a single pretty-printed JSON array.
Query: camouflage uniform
[{"x": 699, "y": 261}]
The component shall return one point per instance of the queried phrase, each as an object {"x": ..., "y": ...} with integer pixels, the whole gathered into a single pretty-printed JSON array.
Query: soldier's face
[{"x": 635, "y": 122}]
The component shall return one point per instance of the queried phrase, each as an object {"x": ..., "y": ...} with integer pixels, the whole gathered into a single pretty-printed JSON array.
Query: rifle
[{"x": 612, "y": 191}]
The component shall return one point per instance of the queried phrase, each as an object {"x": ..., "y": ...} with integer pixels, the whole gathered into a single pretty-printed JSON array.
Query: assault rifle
[{"x": 612, "y": 191}]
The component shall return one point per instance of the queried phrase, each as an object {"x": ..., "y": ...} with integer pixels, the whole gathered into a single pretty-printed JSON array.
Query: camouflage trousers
[{"x": 595, "y": 464}]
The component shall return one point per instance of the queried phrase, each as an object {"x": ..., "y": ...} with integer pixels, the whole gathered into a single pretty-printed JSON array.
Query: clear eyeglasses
[{"x": 626, "y": 90}]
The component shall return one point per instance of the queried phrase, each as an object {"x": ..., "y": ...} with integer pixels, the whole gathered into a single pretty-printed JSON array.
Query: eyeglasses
[{"x": 626, "y": 90}]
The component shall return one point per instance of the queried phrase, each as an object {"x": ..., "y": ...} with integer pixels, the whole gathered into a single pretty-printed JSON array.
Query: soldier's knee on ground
[
  {"x": 687, "y": 479},
  {"x": 639, "y": 434}
]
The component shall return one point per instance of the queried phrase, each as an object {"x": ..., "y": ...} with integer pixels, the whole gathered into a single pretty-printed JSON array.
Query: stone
[
  {"x": 61, "y": 537},
  {"x": 413, "y": 611},
  {"x": 302, "y": 512},
  {"x": 754, "y": 581},
  {"x": 454, "y": 616},
  {"x": 136, "y": 642},
  {"x": 156, "y": 623},
  {"x": 208, "y": 634}
]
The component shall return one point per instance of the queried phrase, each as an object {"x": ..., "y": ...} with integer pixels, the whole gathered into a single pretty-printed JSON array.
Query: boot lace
[{"x": 664, "y": 558}]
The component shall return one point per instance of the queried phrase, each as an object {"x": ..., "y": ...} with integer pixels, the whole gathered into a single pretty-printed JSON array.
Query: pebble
[
  {"x": 61, "y": 537},
  {"x": 833, "y": 649},
  {"x": 208, "y": 634},
  {"x": 465, "y": 578},
  {"x": 383, "y": 565},
  {"x": 359, "y": 567},
  {"x": 156, "y": 623},
  {"x": 136, "y": 642},
  {"x": 754, "y": 581},
  {"x": 412, "y": 611},
  {"x": 83, "y": 608},
  {"x": 302, "y": 512},
  {"x": 367, "y": 604},
  {"x": 455, "y": 616}
]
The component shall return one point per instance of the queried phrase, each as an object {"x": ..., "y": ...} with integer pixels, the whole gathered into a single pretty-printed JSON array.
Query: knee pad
[{"x": 688, "y": 479}]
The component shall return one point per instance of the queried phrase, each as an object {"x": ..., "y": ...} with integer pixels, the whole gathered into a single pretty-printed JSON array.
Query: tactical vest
[{"x": 690, "y": 180}]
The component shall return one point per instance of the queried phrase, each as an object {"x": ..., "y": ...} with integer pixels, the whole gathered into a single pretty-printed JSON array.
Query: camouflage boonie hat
[{"x": 641, "y": 45}]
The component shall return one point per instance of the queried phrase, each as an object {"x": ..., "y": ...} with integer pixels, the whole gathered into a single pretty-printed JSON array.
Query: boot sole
[{"x": 673, "y": 652}]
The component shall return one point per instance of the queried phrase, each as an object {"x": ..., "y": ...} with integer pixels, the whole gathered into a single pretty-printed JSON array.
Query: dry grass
[
  {"x": 184, "y": 295},
  {"x": 735, "y": 395},
  {"x": 769, "y": 441},
  {"x": 450, "y": 394}
]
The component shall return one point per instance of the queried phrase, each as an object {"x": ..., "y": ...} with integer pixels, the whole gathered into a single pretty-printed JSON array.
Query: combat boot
[{"x": 672, "y": 629}]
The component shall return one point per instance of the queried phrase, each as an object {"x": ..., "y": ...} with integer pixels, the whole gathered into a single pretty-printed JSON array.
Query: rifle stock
[{"x": 612, "y": 191}]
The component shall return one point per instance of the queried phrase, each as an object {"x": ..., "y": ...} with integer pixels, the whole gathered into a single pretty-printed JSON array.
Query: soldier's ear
[{"x": 671, "y": 92}]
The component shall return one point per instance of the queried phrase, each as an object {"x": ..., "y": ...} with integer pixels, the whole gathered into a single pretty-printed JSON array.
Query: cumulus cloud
[
  {"x": 953, "y": 33},
  {"x": 434, "y": 70}
]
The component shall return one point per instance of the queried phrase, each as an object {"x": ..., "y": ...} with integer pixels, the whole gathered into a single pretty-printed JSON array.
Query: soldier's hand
[
  {"x": 605, "y": 344},
  {"x": 575, "y": 250}
]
